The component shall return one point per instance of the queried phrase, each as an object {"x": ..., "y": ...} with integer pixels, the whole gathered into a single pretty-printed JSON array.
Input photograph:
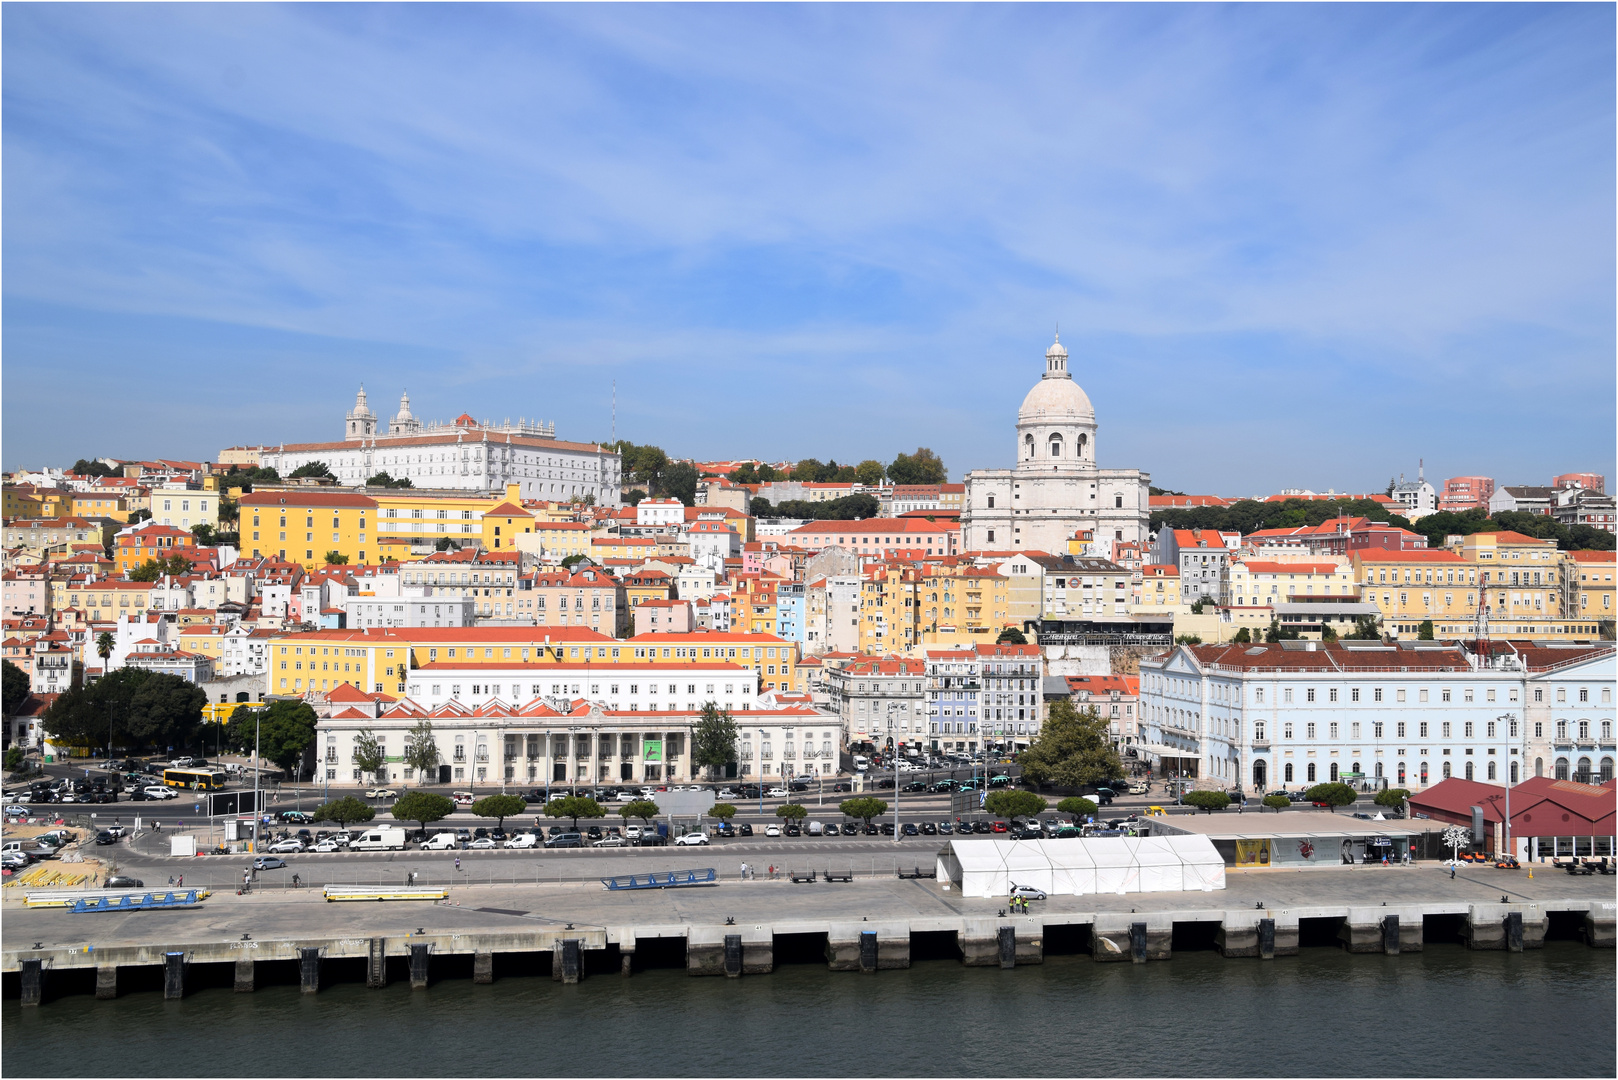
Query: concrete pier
[
  {"x": 737, "y": 933},
  {"x": 106, "y": 982},
  {"x": 174, "y": 975},
  {"x": 309, "y": 971}
]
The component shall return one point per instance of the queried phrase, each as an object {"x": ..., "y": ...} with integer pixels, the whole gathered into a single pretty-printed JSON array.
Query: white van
[
  {"x": 386, "y": 838},
  {"x": 861, "y": 763},
  {"x": 439, "y": 841},
  {"x": 523, "y": 840}
]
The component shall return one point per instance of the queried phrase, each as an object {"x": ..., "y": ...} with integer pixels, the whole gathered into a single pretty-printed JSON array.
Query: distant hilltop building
[
  {"x": 464, "y": 454},
  {"x": 1057, "y": 489}
]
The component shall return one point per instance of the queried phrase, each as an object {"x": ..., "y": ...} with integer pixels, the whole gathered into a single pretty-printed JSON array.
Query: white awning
[{"x": 1083, "y": 866}]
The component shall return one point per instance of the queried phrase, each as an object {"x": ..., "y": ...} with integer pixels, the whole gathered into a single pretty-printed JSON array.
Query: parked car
[
  {"x": 610, "y": 841},
  {"x": 105, "y": 838},
  {"x": 286, "y": 847},
  {"x": 929, "y": 829},
  {"x": 296, "y": 817},
  {"x": 565, "y": 840},
  {"x": 745, "y": 829},
  {"x": 726, "y": 793},
  {"x": 772, "y": 830},
  {"x": 482, "y": 843},
  {"x": 120, "y": 881},
  {"x": 691, "y": 839},
  {"x": 1028, "y": 892},
  {"x": 829, "y": 829},
  {"x": 381, "y": 793},
  {"x": 842, "y": 785},
  {"x": 327, "y": 846},
  {"x": 777, "y": 793},
  {"x": 158, "y": 791},
  {"x": 793, "y": 829},
  {"x": 910, "y": 829},
  {"x": 268, "y": 862}
]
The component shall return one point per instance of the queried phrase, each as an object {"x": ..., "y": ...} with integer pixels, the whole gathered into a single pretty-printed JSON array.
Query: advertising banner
[{"x": 1253, "y": 852}]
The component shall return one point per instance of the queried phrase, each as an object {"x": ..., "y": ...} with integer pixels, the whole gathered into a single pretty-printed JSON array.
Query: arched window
[
  {"x": 1469, "y": 770},
  {"x": 1286, "y": 773},
  {"x": 1446, "y": 770},
  {"x": 1309, "y": 772},
  {"x": 1513, "y": 772},
  {"x": 1539, "y": 766},
  {"x": 1355, "y": 768},
  {"x": 1491, "y": 770},
  {"x": 1560, "y": 772},
  {"x": 1401, "y": 773},
  {"x": 1582, "y": 775},
  {"x": 1379, "y": 770},
  {"x": 1424, "y": 774},
  {"x": 1056, "y": 446},
  {"x": 1606, "y": 729},
  {"x": 1028, "y": 445},
  {"x": 1334, "y": 772},
  {"x": 1260, "y": 775},
  {"x": 1584, "y": 730},
  {"x": 1606, "y": 771},
  {"x": 1080, "y": 444}
]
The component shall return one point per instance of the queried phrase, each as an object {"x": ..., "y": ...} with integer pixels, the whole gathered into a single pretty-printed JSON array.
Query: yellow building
[
  {"x": 379, "y": 660},
  {"x": 504, "y": 523},
  {"x": 647, "y": 584},
  {"x": 556, "y": 539},
  {"x": 107, "y": 504},
  {"x": 1257, "y": 582},
  {"x": 184, "y": 508},
  {"x": 1589, "y": 575},
  {"x": 1159, "y": 589}
]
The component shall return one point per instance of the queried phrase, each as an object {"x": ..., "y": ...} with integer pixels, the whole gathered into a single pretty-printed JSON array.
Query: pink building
[
  {"x": 663, "y": 617},
  {"x": 1466, "y": 493},
  {"x": 1589, "y": 481}
]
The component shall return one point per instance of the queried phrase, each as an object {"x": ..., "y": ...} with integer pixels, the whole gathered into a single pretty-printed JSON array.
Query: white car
[
  {"x": 523, "y": 840},
  {"x": 690, "y": 839},
  {"x": 464, "y": 798},
  {"x": 283, "y": 847},
  {"x": 772, "y": 830},
  {"x": 158, "y": 791},
  {"x": 327, "y": 846},
  {"x": 777, "y": 793},
  {"x": 381, "y": 793},
  {"x": 632, "y": 832},
  {"x": 726, "y": 793}
]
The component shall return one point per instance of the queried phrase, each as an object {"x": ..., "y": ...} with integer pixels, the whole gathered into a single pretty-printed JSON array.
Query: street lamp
[
  {"x": 761, "y": 772},
  {"x": 894, "y": 706}
]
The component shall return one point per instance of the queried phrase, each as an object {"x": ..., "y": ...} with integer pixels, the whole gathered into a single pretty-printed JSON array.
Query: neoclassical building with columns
[{"x": 1056, "y": 488}]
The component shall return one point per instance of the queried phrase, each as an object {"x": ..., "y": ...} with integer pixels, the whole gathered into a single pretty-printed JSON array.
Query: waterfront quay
[{"x": 736, "y": 928}]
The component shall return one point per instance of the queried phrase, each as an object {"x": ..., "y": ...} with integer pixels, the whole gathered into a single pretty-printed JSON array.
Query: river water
[{"x": 1441, "y": 1012}]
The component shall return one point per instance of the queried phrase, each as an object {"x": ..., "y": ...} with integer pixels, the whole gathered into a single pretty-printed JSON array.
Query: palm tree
[{"x": 104, "y": 644}]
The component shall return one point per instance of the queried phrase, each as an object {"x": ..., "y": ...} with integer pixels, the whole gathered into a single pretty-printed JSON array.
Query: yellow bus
[{"x": 201, "y": 779}]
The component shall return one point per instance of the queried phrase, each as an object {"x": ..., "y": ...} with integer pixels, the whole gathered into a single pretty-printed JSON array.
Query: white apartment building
[
  {"x": 417, "y": 607},
  {"x": 881, "y": 702},
  {"x": 624, "y": 687},
  {"x": 988, "y": 694},
  {"x": 1299, "y": 713}
]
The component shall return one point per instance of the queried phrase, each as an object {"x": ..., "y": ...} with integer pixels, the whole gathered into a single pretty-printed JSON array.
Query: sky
[{"x": 1286, "y": 246}]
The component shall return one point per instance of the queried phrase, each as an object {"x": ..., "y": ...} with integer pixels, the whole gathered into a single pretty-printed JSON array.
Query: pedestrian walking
[
  {"x": 181, "y": 883},
  {"x": 1452, "y": 872},
  {"x": 457, "y": 862},
  {"x": 744, "y": 871},
  {"x": 171, "y": 881}
]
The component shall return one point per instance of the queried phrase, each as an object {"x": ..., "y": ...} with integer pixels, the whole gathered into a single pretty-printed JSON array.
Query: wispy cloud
[{"x": 838, "y": 230}]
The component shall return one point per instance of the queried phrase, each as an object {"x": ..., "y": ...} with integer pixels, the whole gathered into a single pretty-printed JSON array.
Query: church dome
[{"x": 1056, "y": 397}]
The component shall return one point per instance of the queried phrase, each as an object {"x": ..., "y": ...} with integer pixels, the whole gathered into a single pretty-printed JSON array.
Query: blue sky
[{"x": 1287, "y": 245}]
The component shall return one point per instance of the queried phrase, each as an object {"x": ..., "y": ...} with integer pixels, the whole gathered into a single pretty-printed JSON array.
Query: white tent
[
  {"x": 1082, "y": 866},
  {"x": 1157, "y": 863},
  {"x": 1200, "y": 862}
]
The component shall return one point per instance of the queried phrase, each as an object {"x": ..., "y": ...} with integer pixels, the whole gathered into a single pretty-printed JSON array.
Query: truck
[{"x": 385, "y": 838}]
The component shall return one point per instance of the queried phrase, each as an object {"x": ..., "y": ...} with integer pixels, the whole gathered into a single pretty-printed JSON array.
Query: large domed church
[{"x": 1056, "y": 488}]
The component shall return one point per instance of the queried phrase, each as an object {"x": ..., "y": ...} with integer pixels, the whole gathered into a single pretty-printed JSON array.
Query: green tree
[
  {"x": 91, "y": 467},
  {"x": 869, "y": 472},
  {"x": 204, "y": 534},
  {"x": 230, "y": 510},
  {"x": 575, "y": 807},
  {"x": 569, "y": 561},
  {"x": 14, "y": 758},
  {"x": 1011, "y": 636},
  {"x": 381, "y": 479},
  {"x": 713, "y": 738},
  {"x": 809, "y": 471},
  {"x": 422, "y": 807},
  {"x": 679, "y": 481},
  {"x": 1076, "y": 807},
  {"x": 1015, "y": 805},
  {"x": 285, "y": 730},
  {"x": 336, "y": 558},
  {"x": 744, "y": 473},
  {"x": 791, "y": 812},
  {"x": 1206, "y": 801},
  {"x": 767, "y": 474},
  {"x": 1424, "y": 632},
  {"x": 645, "y": 809},
  {"x": 1328, "y": 634},
  {"x": 154, "y": 569},
  {"x": 316, "y": 469},
  {"x": 760, "y": 508},
  {"x": 500, "y": 807},
  {"x": 345, "y": 811},
  {"x": 1277, "y": 802},
  {"x": 724, "y": 811},
  {"x": 104, "y": 647},
  {"x": 1072, "y": 749},
  {"x": 1333, "y": 795},
  {"x": 864, "y": 807},
  {"x": 1188, "y": 639},
  {"x": 421, "y": 751},
  {"x": 922, "y": 467},
  {"x": 1242, "y": 637},
  {"x": 1393, "y": 797},
  {"x": 14, "y": 690},
  {"x": 1365, "y": 629},
  {"x": 368, "y": 753}
]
